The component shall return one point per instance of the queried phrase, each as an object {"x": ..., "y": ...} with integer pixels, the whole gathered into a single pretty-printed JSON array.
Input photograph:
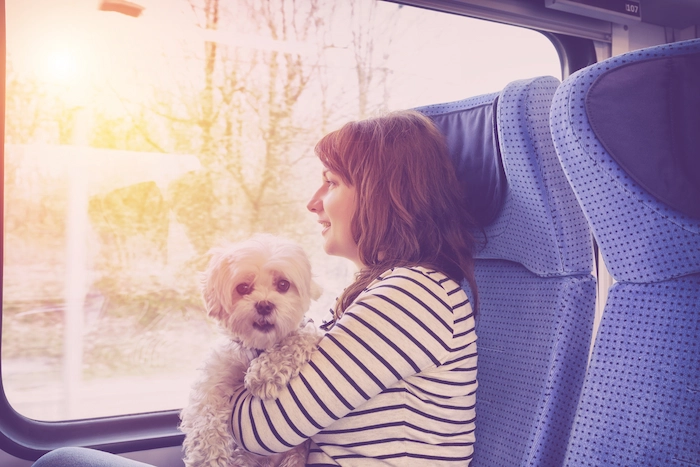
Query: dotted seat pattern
[
  {"x": 534, "y": 336},
  {"x": 640, "y": 238},
  {"x": 541, "y": 225},
  {"x": 641, "y": 399},
  {"x": 640, "y": 404},
  {"x": 536, "y": 291}
]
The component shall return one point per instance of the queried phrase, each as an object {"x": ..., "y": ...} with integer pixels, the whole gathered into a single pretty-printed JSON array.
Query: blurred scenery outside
[{"x": 135, "y": 144}]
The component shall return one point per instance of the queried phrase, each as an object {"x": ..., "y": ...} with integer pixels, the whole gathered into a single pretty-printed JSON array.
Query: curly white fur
[{"x": 258, "y": 291}]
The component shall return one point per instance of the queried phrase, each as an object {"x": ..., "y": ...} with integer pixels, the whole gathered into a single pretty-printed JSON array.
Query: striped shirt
[{"x": 392, "y": 383}]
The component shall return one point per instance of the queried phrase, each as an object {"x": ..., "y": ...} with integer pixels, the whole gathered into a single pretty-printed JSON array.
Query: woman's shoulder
[
  {"x": 409, "y": 277},
  {"x": 432, "y": 290},
  {"x": 423, "y": 273}
]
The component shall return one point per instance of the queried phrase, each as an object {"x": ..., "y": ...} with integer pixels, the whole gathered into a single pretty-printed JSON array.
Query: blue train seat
[
  {"x": 627, "y": 132},
  {"x": 536, "y": 291}
]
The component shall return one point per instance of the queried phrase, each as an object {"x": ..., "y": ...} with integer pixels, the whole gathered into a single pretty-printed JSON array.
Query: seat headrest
[
  {"x": 502, "y": 149},
  {"x": 627, "y": 131},
  {"x": 469, "y": 126},
  {"x": 653, "y": 129}
]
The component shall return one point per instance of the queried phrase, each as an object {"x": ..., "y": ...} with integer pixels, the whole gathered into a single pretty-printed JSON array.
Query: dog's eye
[
  {"x": 244, "y": 289},
  {"x": 283, "y": 285}
]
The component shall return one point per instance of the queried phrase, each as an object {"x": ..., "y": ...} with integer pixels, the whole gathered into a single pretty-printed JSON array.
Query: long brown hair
[{"x": 409, "y": 208}]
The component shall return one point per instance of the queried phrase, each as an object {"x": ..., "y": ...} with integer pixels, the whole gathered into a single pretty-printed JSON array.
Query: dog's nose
[{"x": 264, "y": 307}]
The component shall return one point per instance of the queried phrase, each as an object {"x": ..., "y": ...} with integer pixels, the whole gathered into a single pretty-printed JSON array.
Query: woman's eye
[
  {"x": 244, "y": 289},
  {"x": 329, "y": 179},
  {"x": 283, "y": 285}
]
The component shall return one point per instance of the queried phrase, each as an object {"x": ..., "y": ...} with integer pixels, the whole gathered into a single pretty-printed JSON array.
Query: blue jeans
[{"x": 82, "y": 457}]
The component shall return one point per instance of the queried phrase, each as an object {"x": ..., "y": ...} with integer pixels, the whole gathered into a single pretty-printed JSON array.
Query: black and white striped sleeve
[{"x": 400, "y": 326}]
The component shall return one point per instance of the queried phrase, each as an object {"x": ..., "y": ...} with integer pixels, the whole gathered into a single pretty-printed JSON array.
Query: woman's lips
[{"x": 325, "y": 225}]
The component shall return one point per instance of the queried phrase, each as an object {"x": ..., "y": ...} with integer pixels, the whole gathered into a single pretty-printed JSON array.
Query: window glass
[{"x": 137, "y": 139}]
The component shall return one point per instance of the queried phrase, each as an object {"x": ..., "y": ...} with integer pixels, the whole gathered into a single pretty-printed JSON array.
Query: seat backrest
[
  {"x": 627, "y": 132},
  {"x": 536, "y": 292}
]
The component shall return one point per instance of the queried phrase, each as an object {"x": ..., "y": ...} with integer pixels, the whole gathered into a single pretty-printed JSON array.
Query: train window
[{"x": 140, "y": 134}]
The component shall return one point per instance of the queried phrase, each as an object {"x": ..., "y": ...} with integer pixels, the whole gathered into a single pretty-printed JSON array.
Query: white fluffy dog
[{"x": 258, "y": 291}]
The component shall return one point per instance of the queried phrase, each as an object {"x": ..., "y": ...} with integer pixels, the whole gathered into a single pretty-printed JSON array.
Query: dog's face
[{"x": 258, "y": 290}]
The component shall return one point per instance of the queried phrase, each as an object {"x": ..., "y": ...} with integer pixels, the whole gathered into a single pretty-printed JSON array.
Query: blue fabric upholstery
[
  {"x": 534, "y": 336},
  {"x": 640, "y": 404},
  {"x": 540, "y": 225},
  {"x": 641, "y": 238},
  {"x": 536, "y": 291}
]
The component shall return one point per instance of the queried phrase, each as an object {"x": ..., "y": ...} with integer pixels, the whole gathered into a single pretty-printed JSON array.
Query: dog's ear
[
  {"x": 210, "y": 283},
  {"x": 316, "y": 290},
  {"x": 212, "y": 303}
]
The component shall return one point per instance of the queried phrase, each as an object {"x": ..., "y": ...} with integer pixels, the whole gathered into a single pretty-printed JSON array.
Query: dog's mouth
[{"x": 263, "y": 325}]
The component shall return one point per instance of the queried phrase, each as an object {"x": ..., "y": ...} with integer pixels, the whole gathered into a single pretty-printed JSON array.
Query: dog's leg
[
  {"x": 205, "y": 420},
  {"x": 207, "y": 444}
]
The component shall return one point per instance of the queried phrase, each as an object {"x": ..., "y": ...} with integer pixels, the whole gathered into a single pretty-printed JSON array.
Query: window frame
[
  {"x": 29, "y": 439},
  {"x": 575, "y": 53}
]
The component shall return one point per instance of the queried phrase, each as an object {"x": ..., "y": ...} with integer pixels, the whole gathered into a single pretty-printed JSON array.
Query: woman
[{"x": 394, "y": 379}]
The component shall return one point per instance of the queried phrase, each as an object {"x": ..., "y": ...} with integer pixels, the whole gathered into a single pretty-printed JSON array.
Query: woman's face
[{"x": 334, "y": 203}]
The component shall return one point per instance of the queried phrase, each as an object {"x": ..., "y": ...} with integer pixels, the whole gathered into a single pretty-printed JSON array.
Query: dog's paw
[
  {"x": 269, "y": 373},
  {"x": 264, "y": 380}
]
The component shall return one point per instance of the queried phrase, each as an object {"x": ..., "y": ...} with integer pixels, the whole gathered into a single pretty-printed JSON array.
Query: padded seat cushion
[
  {"x": 532, "y": 359},
  {"x": 640, "y": 405}
]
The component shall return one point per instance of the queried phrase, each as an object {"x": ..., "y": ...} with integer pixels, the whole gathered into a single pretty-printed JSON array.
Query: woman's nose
[{"x": 314, "y": 204}]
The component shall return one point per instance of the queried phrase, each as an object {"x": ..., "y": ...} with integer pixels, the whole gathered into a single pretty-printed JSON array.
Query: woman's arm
[{"x": 400, "y": 326}]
